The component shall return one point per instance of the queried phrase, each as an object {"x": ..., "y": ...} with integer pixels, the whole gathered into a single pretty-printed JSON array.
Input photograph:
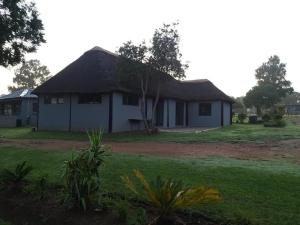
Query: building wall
[
  {"x": 54, "y": 116},
  {"x": 172, "y": 113},
  {"x": 226, "y": 113},
  {"x": 8, "y": 121},
  {"x": 122, "y": 114},
  {"x": 29, "y": 118},
  {"x": 214, "y": 120},
  {"x": 90, "y": 116}
]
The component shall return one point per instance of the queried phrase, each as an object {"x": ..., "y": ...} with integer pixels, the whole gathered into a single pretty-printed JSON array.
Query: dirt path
[{"x": 289, "y": 149}]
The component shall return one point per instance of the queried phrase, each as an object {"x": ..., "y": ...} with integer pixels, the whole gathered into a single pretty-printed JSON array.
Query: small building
[
  {"x": 18, "y": 108},
  {"x": 293, "y": 109},
  {"x": 88, "y": 94}
]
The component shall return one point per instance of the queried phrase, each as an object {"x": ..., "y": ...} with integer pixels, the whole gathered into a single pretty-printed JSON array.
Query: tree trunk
[
  {"x": 154, "y": 107},
  {"x": 143, "y": 104}
]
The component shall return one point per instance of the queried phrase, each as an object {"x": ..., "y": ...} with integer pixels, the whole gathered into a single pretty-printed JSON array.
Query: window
[
  {"x": 129, "y": 99},
  {"x": 1, "y": 109},
  {"x": 89, "y": 99},
  {"x": 205, "y": 109},
  {"x": 54, "y": 100},
  {"x": 35, "y": 107}
]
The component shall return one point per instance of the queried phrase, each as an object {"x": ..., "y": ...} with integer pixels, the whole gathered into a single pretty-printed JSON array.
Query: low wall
[{"x": 8, "y": 121}]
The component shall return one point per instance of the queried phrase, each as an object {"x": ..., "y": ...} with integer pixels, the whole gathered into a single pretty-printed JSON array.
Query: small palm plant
[
  {"x": 15, "y": 180},
  {"x": 169, "y": 195},
  {"x": 81, "y": 175}
]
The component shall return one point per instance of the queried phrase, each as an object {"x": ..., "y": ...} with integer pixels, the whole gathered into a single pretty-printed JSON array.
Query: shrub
[
  {"x": 15, "y": 180},
  {"x": 168, "y": 195},
  {"x": 242, "y": 117},
  {"x": 81, "y": 175},
  {"x": 266, "y": 117},
  {"x": 275, "y": 123}
]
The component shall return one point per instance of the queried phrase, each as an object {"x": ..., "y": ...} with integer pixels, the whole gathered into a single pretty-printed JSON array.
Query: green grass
[
  {"x": 234, "y": 133},
  {"x": 266, "y": 192}
]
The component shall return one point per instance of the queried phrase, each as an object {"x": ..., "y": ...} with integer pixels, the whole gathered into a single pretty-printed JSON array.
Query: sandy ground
[{"x": 288, "y": 149}]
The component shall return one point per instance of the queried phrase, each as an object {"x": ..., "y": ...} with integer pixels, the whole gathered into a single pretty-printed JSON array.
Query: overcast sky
[{"x": 223, "y": 40}]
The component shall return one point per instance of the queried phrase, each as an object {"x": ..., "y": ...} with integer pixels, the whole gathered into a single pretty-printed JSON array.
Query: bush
[
  {"x": 266, "y": 117},
  {"x": 15, "y": 180},
  {"x": 168, "y": 195},
  {"x": 253, "y": 119},
  {"x": 275, "y": 123},
  {"x": 81, "y": 175},
  {"x": 242, "y": 117}
]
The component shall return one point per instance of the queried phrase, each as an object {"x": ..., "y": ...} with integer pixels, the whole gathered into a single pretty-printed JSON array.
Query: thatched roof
[{"x": 96, "y": 72}]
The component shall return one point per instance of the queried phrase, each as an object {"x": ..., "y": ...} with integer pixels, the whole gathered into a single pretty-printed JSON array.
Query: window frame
[
  {"x": 54, "y": 100},
  {"x": 207, "y": 112},
  {"x": 94, "y": 99},
  {"x": 130, "y": 99}
]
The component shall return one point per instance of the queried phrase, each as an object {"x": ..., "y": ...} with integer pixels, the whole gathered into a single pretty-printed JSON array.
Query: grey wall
[
  {"x": 27, "y": 115},
  {"x": 122, "y": 114},
  {"x": 90, "y": 116},
  {"x": 8, "y": 121},
  {"x": 54, "y": 116},
  {"x": 226, "y": 113},
  {"x": 172, "y": 112},
  {"x": 204, "y": 121}
]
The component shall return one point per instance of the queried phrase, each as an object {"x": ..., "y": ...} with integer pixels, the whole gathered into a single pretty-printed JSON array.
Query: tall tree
[
  {"x": 273, "y": 72},
  {"x": 262, "y": 96},
  {"x": 134, "y": 70},
  {"x": 30, "y": 74},
  {"x": 21, "y": 30},
  {"x": 154, "y": 65},
  {"x": 165, "y": 58}
]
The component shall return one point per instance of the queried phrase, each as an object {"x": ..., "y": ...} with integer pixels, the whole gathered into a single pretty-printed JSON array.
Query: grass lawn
[
  {"x": 234, "y": 133},
  {"x": 265, "y": 192}
]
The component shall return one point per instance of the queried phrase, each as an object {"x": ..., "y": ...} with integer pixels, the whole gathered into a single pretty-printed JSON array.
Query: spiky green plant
[
  {"x": 15, "y": 180},
  {"x": 81, "y": 175},
  {"x": 169, "y": 195}
]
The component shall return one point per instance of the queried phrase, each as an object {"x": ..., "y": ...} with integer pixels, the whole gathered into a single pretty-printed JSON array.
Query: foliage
[
  {"x": 151, "y": 66},
  {"x": 266, "y": 117},
  {"x": 30, "y": 75},
  {"x": 15, "y": 180},
  {"x": 168, "y": 195},
  {"x": 262, "y": 96},
  {"x": 21, "y": 31},
  {"x": 273, "y": 73},
  {"x": 242, "y": 117},
  {"x": 239, "y": 106},
  {"x": 134, "y": 71},
  {"x": 81, "y": 176},
  {"x": 275, "y": 123},
  {"x": 41, "y": 186},
  {"x": 292, "y": 99}
]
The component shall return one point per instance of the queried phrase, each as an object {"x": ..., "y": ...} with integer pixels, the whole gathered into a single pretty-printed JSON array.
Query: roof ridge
[{"x": 97, "y": 48}]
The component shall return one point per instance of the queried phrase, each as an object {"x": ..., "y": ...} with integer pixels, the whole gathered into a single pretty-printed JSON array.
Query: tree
[
  {"x": 273, "y": 72},
  {"x": 165, "y": 58},
  {"x": 262, "y": 96},
  {"x": 292, "y": 99},
  {"x": 238, "y": 106},
  {"x": 21, "y": 31},
  {"x": 151, "y": 66},
  {"x": 30, "y": 75},
  {"x": 133, "y": 68}
]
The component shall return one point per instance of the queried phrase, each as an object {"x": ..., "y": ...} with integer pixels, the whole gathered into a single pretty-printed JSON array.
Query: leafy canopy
[
  {"x": 30, "y": 75},
  {"x": 273, "y": 73},
  {"x": 264, "y": 95},
  {"x": 21, "y": 30}
]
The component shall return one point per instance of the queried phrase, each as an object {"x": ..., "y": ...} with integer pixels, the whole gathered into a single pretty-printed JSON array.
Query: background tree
[
  {"x": 273, "y": 72},
  {"x": 165, "y": 58},
  {"x": 30, "y": 74},
  {"x": 238, "y": 106},
  {"x": 262, "y": 96},
  {"x": 292, "y": 99},
  {"x": 133, "y": 69},
  {"x": 21, "y": 30}
]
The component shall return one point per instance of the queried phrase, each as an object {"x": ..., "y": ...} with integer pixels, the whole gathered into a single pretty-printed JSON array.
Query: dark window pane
[
  {"x": 54, "y": 99},
  {"x": 129, "y": 99},
  {"x": 35, "y": 107},
  {"x": 89, "y": 99},
  {"x": 205, "y": 109}
]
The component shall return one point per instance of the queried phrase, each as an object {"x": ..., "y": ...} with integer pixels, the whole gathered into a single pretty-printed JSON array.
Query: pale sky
[{"x": 223, "y": 40}]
